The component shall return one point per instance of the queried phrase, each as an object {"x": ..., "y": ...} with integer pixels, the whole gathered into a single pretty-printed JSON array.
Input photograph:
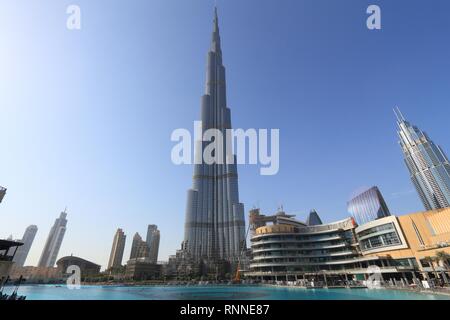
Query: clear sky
[{"x": 86, "y": 116}]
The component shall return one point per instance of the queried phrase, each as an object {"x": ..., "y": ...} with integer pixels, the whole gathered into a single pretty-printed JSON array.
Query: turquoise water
[{"x": 51, "y": 292}]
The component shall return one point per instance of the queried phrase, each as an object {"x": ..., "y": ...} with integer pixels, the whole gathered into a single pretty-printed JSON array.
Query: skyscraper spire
[
  {"x": 215, "y": 43},
  {"x": 398, "y": 114}
]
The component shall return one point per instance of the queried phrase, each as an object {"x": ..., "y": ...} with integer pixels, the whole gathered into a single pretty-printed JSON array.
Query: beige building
[{"x": 419, "y": 239}]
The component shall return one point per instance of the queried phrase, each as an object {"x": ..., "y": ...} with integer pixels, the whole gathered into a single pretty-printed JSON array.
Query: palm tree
[
  {"x": 444, "y": 257},
  {"x": 430, "y": 261}
]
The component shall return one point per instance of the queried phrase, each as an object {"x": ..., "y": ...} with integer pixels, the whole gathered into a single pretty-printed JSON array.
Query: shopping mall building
[{"x": 410, "y": 247}]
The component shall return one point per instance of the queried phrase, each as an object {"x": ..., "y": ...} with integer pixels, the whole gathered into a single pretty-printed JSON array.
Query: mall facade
[{"x": 413, "y": 247}]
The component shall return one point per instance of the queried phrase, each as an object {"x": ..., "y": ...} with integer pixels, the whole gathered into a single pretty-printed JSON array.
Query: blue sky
[{"x": 86, "y": 116}]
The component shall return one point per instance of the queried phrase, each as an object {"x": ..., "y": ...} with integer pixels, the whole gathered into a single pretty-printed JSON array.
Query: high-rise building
[
  {"x": 139, "y": 248},
  {"x": 27, "y": 240},
  {"x": 427, "y": 163},
  {"x": 54, "y": 241},
  {"x": 153, "y": 236},
  {"x": 2, "y": 193},
  {"x": 368, "y": 206},
  {"x": 118, "y": 247},
  {"x": 215, "y": 225}
]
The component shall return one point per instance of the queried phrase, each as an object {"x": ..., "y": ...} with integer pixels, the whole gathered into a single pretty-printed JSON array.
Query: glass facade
[
  {"x": 378, "y": 237},
  {"x": 368, "y": 206}
]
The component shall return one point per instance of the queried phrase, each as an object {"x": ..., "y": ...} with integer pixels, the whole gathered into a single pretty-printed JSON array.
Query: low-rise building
[
  {"x": 141, "y": 269},
  {"x": 41, "y": 275},
  {"x": 87, "y": 268}
]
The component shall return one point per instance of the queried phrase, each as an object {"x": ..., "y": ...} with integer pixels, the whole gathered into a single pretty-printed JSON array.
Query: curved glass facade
[{"x": 368, "y": 206}]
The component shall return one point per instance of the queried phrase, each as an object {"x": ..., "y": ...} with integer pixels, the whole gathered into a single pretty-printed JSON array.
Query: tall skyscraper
[
  {"x": 368, "y": 206},
  {"x": 27, "y": 240},
  {"x": 215, "y": 225},
  {"x": 118, "y": 247},
  {"x": 2, "y": 193},
  {"x": 53, "y": 243},
  {"x": 153, "y": 236},
  {"x": 427, "y": 163}
]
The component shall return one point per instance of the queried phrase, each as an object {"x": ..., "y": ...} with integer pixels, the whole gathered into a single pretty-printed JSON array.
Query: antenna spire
[{"x": 398, "y": 114}]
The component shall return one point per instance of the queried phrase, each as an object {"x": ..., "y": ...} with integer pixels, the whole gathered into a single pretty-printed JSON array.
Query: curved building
[
  {"x": 368, "y": 206},
  {"x": 87, "y": 268},
  {"x": 294, "y": 249}
]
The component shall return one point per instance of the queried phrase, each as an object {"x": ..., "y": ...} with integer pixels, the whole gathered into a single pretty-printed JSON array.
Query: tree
[
  {"x": 430, "y": 261},
  {"x": 444, "y": 257}
]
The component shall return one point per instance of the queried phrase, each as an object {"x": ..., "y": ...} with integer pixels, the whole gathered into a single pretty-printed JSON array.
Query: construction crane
[{"x": 237, "y": 276}]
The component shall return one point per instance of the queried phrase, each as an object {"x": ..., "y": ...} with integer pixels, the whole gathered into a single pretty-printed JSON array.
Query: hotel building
[{"x": 427, "y": 163}]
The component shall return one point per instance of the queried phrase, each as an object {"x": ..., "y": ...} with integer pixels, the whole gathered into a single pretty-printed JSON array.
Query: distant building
[
  {"x": 427, "y": 163},
  {"x": 27, "y": 240},
  {"x": 139, "y": 248},
  {"x": 54, "y": 241},
  {"x": 116, "y": 257},
  {"x": 42, "y": 275},
  {"x": 313, "y": 219},
  {"x": 87, "y": 268},
  {"x": 153, "y": 238},
  {"x": 2, "y": 193},
  {"x": 142, "y": 269},
  {"x": 368, "y": 206}
]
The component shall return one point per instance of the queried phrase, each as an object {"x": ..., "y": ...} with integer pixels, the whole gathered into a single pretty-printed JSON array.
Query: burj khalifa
[{"x": 215, "y": 224}]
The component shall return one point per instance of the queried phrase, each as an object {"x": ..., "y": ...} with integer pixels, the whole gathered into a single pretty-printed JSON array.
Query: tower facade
[
  {"x": 54, "y": 241},
  {"x": 118, "y": 247},
  {"x": 153, "y": 237},
  {"x": 215, "y": 225},
  {"x": 427, "y": 163},
  {"x": 27, "y": 240},
  {"x": 368, "y": 206}
]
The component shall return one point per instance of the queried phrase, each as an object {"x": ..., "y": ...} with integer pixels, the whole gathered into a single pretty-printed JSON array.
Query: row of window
[{"x": 383, "y": 240}]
